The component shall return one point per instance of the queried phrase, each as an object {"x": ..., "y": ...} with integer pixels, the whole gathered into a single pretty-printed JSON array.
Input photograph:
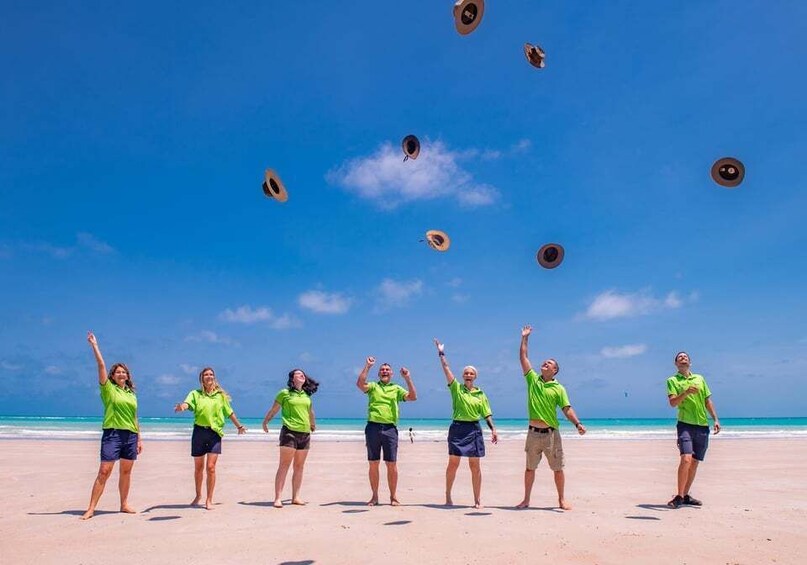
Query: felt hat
[
  {"x": 468, "y": 14},
  {"x": 535, "y": 55},
  {"x": 728, "y": 172},
  {"x": 438, "y": 240},
  {"x": 550, "y": 255},
  {"x": 411, "y": 147},
  {"x": 273, "y": 186}
]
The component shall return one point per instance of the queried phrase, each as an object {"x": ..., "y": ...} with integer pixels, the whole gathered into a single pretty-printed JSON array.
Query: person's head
[
  {"x": 385, "y": 373},
  {"x": 549, "y": 368},
  {"x": 469, "y": 374},
  {"x": 120, "y": 376},
  {"x": 682, "y": 362},
  {"x": 300, "y": 381}
]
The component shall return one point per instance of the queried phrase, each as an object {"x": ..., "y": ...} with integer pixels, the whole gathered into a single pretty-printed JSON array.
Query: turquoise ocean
[{"x": 343, "y": 429}]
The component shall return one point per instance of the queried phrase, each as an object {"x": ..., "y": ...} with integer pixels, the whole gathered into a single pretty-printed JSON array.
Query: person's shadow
[{"x": 74, "y": 513}]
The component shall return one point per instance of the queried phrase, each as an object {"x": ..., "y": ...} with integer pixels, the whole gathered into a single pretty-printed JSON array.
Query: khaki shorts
[{"x": 539, "y": 444}]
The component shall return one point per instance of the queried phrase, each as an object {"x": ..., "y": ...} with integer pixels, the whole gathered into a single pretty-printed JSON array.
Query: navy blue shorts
[
  {"x": 465, "y": 439},
  {"x": 204, "y": 441},
  {"x": 692, "y": 440},
  {"x": 118, "y": 444},
  {"x": 381, "y": 437},
  {"x": 295, "y": 440}
]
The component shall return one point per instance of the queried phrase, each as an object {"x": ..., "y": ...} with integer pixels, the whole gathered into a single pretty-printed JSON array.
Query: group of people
[{"x": 211, "y": 406}]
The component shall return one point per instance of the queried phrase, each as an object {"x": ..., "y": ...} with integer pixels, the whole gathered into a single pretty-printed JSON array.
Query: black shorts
[
  {"x": 118, "y": 444},
  {"x": 692, "y": 440},
  {"x": 465, "y": 439},
  {"x": 381, "y": 437},
  {"x": 295, "y": 440},
  {"x": 204, "y": 441}
]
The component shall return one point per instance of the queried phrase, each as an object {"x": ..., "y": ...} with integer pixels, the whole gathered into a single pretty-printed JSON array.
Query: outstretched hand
[
  {"x": 526, "y": 330},
  {"x": 91, "y": 339},
  {"x": 440, "y": 346},
  {"x": 178, "y": 407}
]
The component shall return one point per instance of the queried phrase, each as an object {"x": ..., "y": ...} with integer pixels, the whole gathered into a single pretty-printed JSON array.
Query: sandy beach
[{"x": 755, "y": 505}]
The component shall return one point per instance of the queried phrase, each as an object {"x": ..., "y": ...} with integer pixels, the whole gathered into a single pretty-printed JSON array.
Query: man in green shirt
[
  {"x": 689, "y": 393},
  {"x": 381, "y": 432},
  {"x": 544, "y": 395}
]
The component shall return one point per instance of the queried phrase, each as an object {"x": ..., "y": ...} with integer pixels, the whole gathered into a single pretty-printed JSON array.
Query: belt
[
  {"x": 464, "y": 421},
  {"x": 541, "y": 430}
]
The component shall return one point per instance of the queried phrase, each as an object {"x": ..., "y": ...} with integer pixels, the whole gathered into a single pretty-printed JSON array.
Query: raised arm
[
  {"x": 572, "y": 417},
  {"x": 269, "y": 415},
  {"x": 102, "y": 375},
  {"x": 361, "y": 382},
  {"x": 522, "y": 352},
  {"x": 442, "y": 354},
  {"x": 412, "y": 394},
  {"x": 711, "y": 408}
]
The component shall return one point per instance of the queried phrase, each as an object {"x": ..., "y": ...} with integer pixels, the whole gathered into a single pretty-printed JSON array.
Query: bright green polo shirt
[
  {"x": 692, "y": 409},
  {"x": 209, "y": 410},
  {"x": 468, "y": 405},
  {"x": 382, "y": 402},
  {"x": 295, "y": 406},
  {"x": 544, "y": 397},
  {"x": 120, "y": 407}
]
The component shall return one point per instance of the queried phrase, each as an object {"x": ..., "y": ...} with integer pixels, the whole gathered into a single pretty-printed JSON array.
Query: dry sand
[{"x": 754, "y": 493}]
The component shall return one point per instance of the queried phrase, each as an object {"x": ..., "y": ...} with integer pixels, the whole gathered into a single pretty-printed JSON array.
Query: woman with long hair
[
  {"x": 210, "y": 405},
  {"x": 120, "y": 439},
  {"x": 294, "y": 403}
]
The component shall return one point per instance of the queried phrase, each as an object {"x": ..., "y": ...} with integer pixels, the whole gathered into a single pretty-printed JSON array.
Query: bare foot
[
  {"x": 297, "y": 502},
  {"x": 564, "y": 505},
  {"x": 209, "y": 505},
  {"x": 372, "y": 502},
  {"x": 277, "y": 503},
  {"x": 195, "y": 501},
  {"x": 394, "y": 501},
  {"x": 87, "y": 515},
  {"x": 449, "y": 502},
  {"x": 128, "y": 509},
  {"x": 523, "y": 504},
  {"x": 477, "y": 505}
]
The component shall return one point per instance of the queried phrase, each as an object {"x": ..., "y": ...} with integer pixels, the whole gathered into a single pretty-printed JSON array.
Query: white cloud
[
  {"x": 612, "y": 304},
  {"x": 94, "y": 244},
  {"x": 248, "y": 315},
  {"x": 53, "y": 370},
  {"x": 53, "y": 250},
  {"x": 306, "y": 357},
  {"x": 206, "y": 336},
  {"x": 189, "y": 369},
  {"x": 455, "y": 282},
  {"x": 521, "y": 146},
  {"x": 8, "y": 366},
  {"x": 394, "y": 294},
  {"x": 460, "y": 298},
  {"x": 169, "y": 380},
  {"x": 623, "y": 351},
  {"x": 324, "y": 302},
  {"x": 386, "y": 180}
]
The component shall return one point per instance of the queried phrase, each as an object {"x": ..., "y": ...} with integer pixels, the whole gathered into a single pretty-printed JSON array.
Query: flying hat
[
  {"x": 728, "y": 172},
  {"x": 438, "y": 240},
  {"x": 411, "y": 147},
  {"x": 535, "y": 55},
  {"x": 468, "y": 14},
  {"x": 550, "y": 255},
  {"x": 273, "y": 186}
]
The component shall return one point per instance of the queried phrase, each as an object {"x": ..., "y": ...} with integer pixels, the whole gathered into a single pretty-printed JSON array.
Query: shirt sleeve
[
  {"x": 563, "y": 398},
  {"x": 706, "y": 392},
  {"x": 486, "y": 411},
  {"x": 227, "y": 407},
  {"x": 190, "y": 400},
  {"x": 105, "y": 390},
  {"x": 672, "y": 390},
  {"x": 370, "y": 386},
  {"x": 530, "y": 375},
  {"x": 402, "y": 394},
  {"x": 282, "y": 396}
]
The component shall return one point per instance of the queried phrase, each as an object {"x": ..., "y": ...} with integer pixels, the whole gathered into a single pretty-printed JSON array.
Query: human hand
[
  {"x": 178, "y": 407},
  {"x": 440, "y": 346},
  {"x": 717, "y": 427},
  {"x": 139, "y": 446},
  {"x": 494, "y": 437},
  {"x": 370, "y": 361},
  {"x": 265, "y": 426},
  {"x": 242, "y": 430},
  {"x": 91, "y": 338},
  {"x": 526, "y": 330},
  {"x": 405, "y": 373},
  {"x": 692, "y": 390},
  {"x": 581, "y": 429}
]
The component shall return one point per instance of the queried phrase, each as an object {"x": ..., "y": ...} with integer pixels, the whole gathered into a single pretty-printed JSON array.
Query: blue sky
[{"x": 133, "y": 139}]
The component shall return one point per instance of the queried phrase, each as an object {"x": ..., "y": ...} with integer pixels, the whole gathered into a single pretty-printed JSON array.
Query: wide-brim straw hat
[
  {"x": 468, "y": 15},
  {"x": 535, "y": 55},
  {"x": 273, "y": 187},
  {"x": 411, "y": 146},
  {"x": 728, "y": 172},
  {"x": 438, "y": 240},
  {"x": 550, "y": 255}
]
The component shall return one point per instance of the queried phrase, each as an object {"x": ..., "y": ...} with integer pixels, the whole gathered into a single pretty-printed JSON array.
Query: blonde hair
[{"x": 216, "y": 385}]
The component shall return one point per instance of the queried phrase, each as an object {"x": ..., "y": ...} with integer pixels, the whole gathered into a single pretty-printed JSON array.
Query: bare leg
[
  {"x": 198, "y": 474},
  {"x": 560, "y": 483},
  {"x": 683, "y": 474},
  {"x": 124, "y": 480},
  {"x": 373, "y": 473},
  {"x": 693, "y": 469},
  {"x": 283, "y": 463},
  {"x": 451, "y": 474},
  {"x": 392, "y": 481},
  {"x": 211, "y": 478},
  {"x": 297, "y": 479},
  {"x": 529, "y": 479},
  {"x": 104, "y": 470},
  {"x": 476, "y": 480}
]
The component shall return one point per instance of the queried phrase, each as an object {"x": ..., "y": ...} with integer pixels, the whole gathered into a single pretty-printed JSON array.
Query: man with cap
[
  {"x": 689, "y": 393},
  {"x": 544, "y": 395},
  {"x": 381, "y": 432}
]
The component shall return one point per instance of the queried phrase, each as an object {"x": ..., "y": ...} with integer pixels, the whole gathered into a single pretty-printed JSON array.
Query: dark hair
[
  {"x": 557, "y": 365},
  {"x": 310, "y": 386},
  {"x": 675, "y": 359},
  {"x": 129, "y": 381}
]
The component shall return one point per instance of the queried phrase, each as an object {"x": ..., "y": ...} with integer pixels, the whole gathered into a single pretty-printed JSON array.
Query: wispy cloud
[
  {"x": 612, "y": 304},
  {"x": 387, "y": 181},
  {"x": 324, "y": 302},
  {"x": 248, "y": 315},
  {"x": 89, "y": 241},
  {"x": 623, "y": 351},
  {"x": 459, "y": 298},
  {"x": 84, "y": 241},
  {"x": 396, "y": 294},
  {"x": 206, "y": 336},
  {"x": 189, "y": 369},
  {"x": 53, "y": 370},
  {"x": 54, "y": 251},
  {"x": 455, "y": 282},
  {"x": 169, "y": 380},
  {"x": 9, "y": 366}
]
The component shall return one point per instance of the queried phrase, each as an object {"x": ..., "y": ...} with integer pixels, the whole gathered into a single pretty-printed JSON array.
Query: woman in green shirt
[
  {"x": 295, "y": 434},
  {"x": 120, "y": 439},
  {"x": 210, "y": 405},
  {"x": 465, "y": 438}
]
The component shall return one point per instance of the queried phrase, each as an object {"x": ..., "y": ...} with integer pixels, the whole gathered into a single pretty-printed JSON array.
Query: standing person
[
  {"x": 411, "y": 436},
  {"x": 689, "y": 392},
  {"x": 544, "y": 395},
  {"x": 381, "y": 431},
  {"x": 210, "y": 405},
  {"x": 465, "y": 437},
  {"x": 299, "y": 422},
  {"x": 120, "y": 439}
]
